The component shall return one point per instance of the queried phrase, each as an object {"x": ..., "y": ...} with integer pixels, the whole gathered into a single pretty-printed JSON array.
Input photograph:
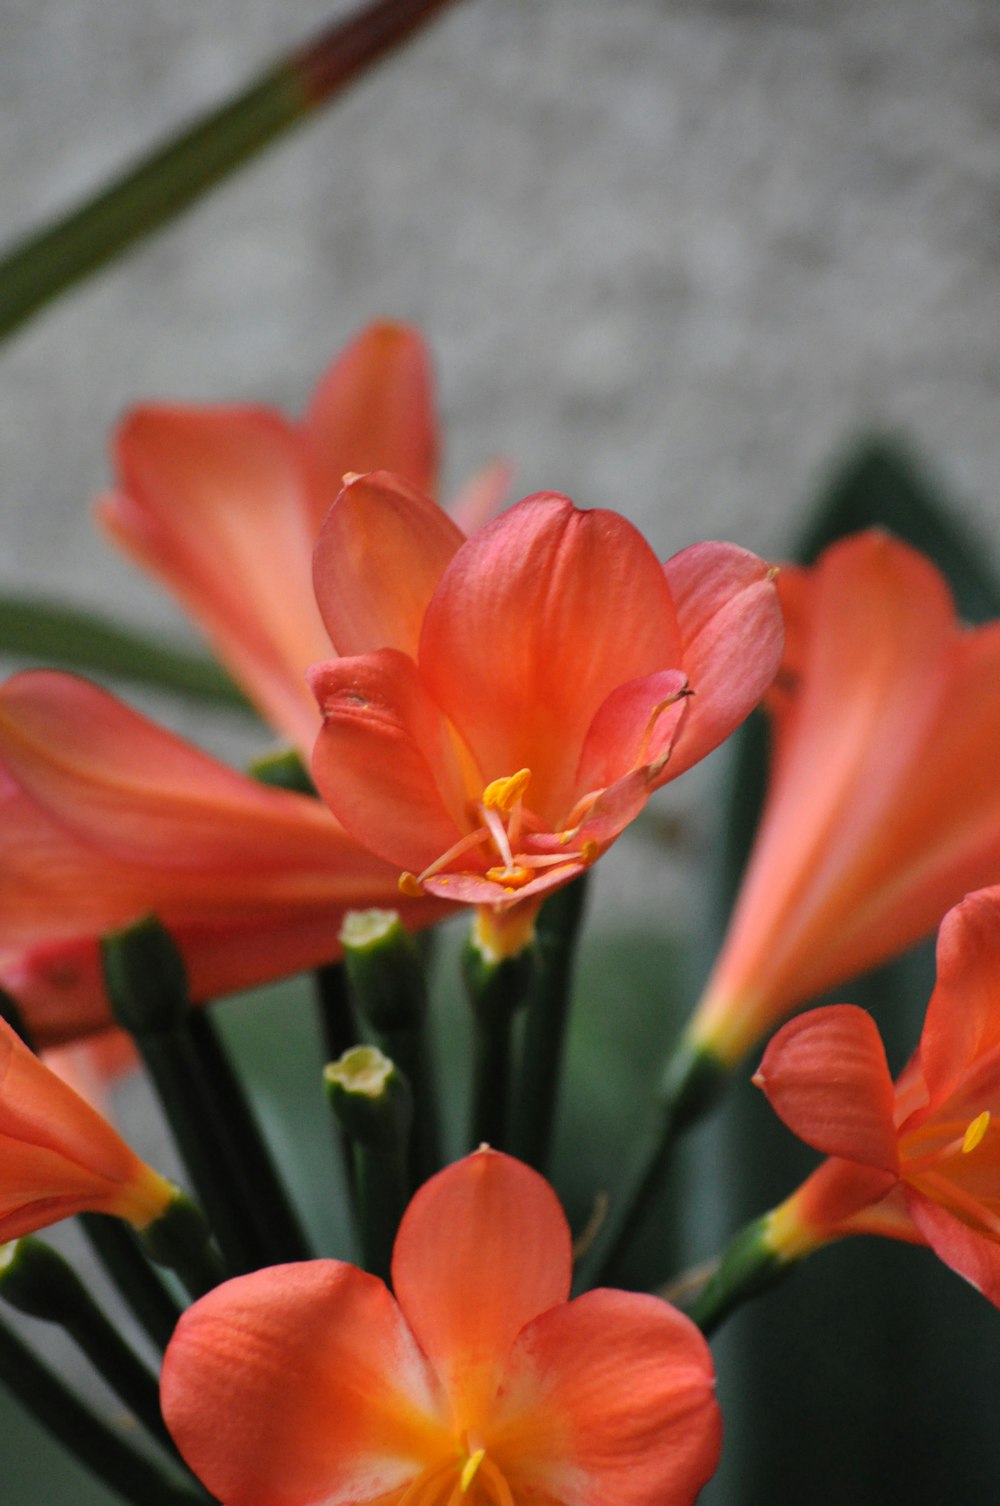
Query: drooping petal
[
  {"x": 58, "y": 1156},
  {"x": 215, "y": 503},
  {"x": 483, "y": 1248},
  {"x": 537, "y": 619},
  {"x": 731, "y": 630},
  {"x": 374, "y": 410},
  {"x": 826, "y": 1076},
  {"x": 383, "y": 762},
  {"x": 609, "y": 1398},
  {"x": 963, "y": 1016},
  {"x": 379, "y": 556},
  {"x": 301, "y": 1385},
  {"x": 971, "y": 1252}
]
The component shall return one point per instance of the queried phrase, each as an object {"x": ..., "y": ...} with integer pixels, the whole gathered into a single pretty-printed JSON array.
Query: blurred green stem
[{"x": 164, "y": 183}]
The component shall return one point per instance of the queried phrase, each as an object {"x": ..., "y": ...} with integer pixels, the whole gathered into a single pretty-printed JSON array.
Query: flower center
[
  {"x": 470, "y": 1479},
  {"x": 502, "y": 821}
]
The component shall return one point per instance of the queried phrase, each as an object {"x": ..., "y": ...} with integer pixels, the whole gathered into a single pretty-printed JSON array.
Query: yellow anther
[
  {"x": 410, "y": 885},
  {"x": 589, "y": 851},
  {"x": 501, "y": 794},
  {"x": 975, "y": 1132},
  {"x": 469, "y": 1469},
  {"x": 511, "y": 877}
]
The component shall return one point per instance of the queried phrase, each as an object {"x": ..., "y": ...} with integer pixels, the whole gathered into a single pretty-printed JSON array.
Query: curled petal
[
  {"x": 383, "y": 757},
  {"x": 301, "y": 1384},
  {"x": 380, "y": 553},
  {"x": 374, "y": 411},
  {"x": 538, "y": 618},
  {"x": 826, "y": 1076},
  {"x": 483, "y": 1248},
  {"x": 609, "y": 1398},
  {"x": 731, "y": 631},
  {"x": 635, "y": 727},
  {"x": 963, "y": 1017},
  {"x": 215, "y": 503}
]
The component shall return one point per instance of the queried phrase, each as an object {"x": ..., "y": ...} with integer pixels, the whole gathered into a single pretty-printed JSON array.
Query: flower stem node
[
  {"x": 145, "y": 978},
  {"x": 385, "y": 970},
  {"x": 750, "y": 1265},
  {"x": 370, "y": 1097},
  {"x": 180, "y": 1239},
  {"x": 39, "y": 1282}
]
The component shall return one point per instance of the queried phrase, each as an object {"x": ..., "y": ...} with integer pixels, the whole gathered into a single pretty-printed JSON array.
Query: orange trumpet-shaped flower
[
  {"x": 105, "y": 817},
  {"x": 58, "y": 1156},
  {"x": 884, "y": 803},
  {"x": 505, "y": 705},
  {"x": 223, "y": 504},
  {"x": 479, "y": 1384},
  {"x": 919, "y": 1161}
]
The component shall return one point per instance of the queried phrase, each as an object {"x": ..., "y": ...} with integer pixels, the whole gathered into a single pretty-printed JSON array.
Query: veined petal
[
  {"x": 732, "y": 635},
  {"x": 837, "y": 1199},
  {"x": 127, "y": 787},
  {"x": 216, "y": 504},
  {"x": 374, "y": 410},
  {"x": 971, "y": 1252},
  {"x": 609, "y": 1398},
  {"x": 301, "y": 1385},
  {"x": 537, "y": 619},
  {"x": 826, "y": 1076},
  {"x": 383, "y": 760},
  {"x": 379, "y": 556},
  {"x": 635, "y": 726},
  {"x": 963, "y": 1016},
  {"x": 483, "y": 1248}
]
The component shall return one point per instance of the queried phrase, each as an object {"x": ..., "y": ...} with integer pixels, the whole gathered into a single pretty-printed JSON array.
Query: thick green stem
[
  {"x": 339, "y": 1032},
  {"x": 116, "y": 1247},
  {"x": 123, "y": 1468},
  {"x": 496, "y": 989},
  {"x": 38, "y": 1281},
  {"x": 167, "y": 181},
  {"x": 748, "y": 1267},
  {"x": 537, "y": 1088},
  {"x": 373, "y": 1103},
  {"x": 691, "y": 1082}
]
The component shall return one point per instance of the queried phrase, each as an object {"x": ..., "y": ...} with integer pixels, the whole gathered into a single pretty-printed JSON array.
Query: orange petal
[
  {"x": 609, "y": 1398},
  {"x": 732, "y": 634},
  {"x": 380, "y": 553},
  {"x": 382, "y": 759},
  {"x": 483, "y": 1248},
  {"x": 971, "y": 1252},
  {"x": 301, "y": 1384},
  {"x": 826, "y": 1076},
  {"x": 538, "y": 618},
  {"x": 482, "y": 496},
  {"x": 374, "y": 410},
  {"x": 963, "y": 1017},
  {"x": 58, "y": 1156},
  {"x": 215, "y": 502},
  {"x": 629, "y": 732}
]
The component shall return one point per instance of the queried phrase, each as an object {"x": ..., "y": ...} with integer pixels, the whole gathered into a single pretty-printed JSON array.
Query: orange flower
[
  {"x": 884, "y": 805},
  {"x": 105, "y": 817},
  {"x": 919, "y": 1161},
  {"x": 480, "y": 1384},
  {"x": 224, "y": 504},
  {"x": 506, "y": 704},
  {"x": 58, "y": 1156}
]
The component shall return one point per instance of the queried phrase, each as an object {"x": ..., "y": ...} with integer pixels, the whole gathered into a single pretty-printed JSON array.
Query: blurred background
[{"x": 675, "y": 257}]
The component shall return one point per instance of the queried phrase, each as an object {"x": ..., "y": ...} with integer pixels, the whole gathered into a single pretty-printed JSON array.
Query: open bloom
[
  {"x": 223, "y": 505},
  {"x": 919, "y": 1161},
  {"x": 505, "y": 705},
  {"x": 105, "y": 817},
  {"x": 884, "y": 804},
  {"x": 58, "y": 1156},
  {"x": 479, "y": 1383}
]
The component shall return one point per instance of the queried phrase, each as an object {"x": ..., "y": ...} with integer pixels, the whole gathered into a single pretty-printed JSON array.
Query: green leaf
[{"x": 75, "y": 639}]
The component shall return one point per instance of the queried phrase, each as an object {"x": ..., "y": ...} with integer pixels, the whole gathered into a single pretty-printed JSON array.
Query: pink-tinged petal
[
  {"x": 476, "y": 889},
  {"x": 379, "y": 556},
  {"x": 127, "y": 787},
  {"x": 482, "y": 497},
  {"x": 973, "y": 1253},
  {"x": 963, "y": 1017},
  {"x": 636, "y": 726},
  {"x": 382, "y": 761},
  {"x": 300, "y": 1385},
  {"x": 826, "y": 1076},
  {"x": 483, "y": 1248},
  {"x": 732, "y": 634},
  {"x": 374, "y": 411},
  {"x": 609, "y": 1398},
  {"x": 215, "y": 503},
  {"x": 537, "y": 619}
]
